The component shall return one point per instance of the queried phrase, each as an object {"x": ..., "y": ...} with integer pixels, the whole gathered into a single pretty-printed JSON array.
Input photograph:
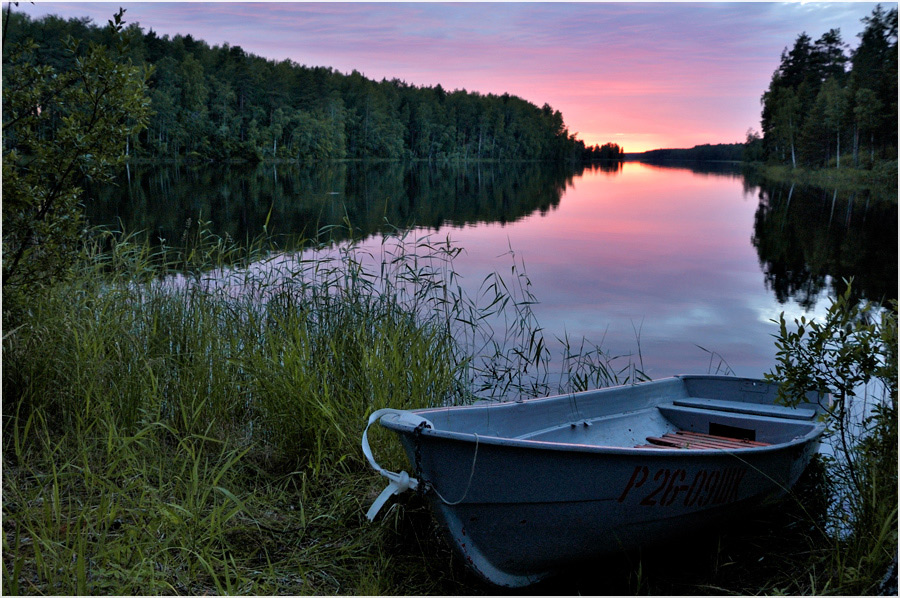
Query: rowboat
[{"x": 526, "y": 488}]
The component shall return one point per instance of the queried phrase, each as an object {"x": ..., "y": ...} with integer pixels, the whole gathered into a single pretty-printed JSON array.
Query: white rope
[{"x": 399, "y": 482}]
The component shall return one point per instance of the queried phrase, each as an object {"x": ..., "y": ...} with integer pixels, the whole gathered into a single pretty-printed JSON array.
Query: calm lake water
[{"x": 687, "y": 266}]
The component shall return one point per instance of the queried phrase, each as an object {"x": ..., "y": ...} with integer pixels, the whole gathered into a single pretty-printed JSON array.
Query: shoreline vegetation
[
  {"x": 176, "y": 425},
  {"x": 178, "y": 421},
  {"x": 882, "y": 175}
]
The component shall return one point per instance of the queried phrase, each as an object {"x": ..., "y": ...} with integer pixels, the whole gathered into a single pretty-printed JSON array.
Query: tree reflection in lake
[
  {"x": 810, "y": 239},
  {"x": 291, "y": 200},
  {"x": 722, "y": 168}
]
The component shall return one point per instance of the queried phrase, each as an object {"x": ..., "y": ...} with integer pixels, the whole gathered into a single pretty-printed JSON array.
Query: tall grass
[{"x": 187, "y": 420}]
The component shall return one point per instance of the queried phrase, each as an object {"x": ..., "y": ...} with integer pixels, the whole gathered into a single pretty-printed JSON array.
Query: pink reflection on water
[
  {"x": 653, "y": 263},
  {"x": 658, "y": 259}
]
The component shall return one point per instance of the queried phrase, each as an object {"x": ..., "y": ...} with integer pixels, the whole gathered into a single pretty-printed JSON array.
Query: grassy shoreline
[
  {"x": 199, "y": 433},
  {"x": 882, "y": 177}
]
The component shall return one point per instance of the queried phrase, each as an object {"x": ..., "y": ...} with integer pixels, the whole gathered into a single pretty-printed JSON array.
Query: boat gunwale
[
  {"x": 471, "y": 438},
  {"x": 818, "y": 427}
]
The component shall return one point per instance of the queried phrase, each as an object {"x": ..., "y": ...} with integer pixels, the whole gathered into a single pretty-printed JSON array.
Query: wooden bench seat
[{"x": 763, "y": 409}]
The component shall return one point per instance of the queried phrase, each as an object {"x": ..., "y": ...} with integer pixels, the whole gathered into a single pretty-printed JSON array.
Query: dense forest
[
  {"x": 824, "y": 106},
  {"x": 221, "y": 103}
]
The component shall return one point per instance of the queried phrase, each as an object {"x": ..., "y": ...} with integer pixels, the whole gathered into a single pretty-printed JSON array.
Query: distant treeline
[
  {"x": 220, "y": 103},
  {"x": 707, "y": 152},
  {"x": 823, "y": 104}
]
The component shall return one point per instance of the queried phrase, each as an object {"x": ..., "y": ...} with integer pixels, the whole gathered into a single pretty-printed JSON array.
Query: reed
[{"x": 187, "y": 420}]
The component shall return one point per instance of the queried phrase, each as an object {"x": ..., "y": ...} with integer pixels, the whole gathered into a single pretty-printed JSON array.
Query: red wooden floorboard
[{"x": 685, "y": 439}]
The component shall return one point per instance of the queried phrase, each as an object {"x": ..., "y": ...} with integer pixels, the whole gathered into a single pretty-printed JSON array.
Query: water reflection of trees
[
  {"x": 711, "y": 168},
  {"x": 297, "y": 200},
  {"x": 810, "y": 239},
  {"x": 607, "y": 167}
]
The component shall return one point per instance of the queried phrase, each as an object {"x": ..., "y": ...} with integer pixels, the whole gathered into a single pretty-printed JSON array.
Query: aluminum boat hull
[{"x": 526, "y": 488}]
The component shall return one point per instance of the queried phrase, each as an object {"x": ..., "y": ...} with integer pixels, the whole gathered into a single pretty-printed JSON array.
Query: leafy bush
[
  {"x": 59, "y": 129},
  {"x": 852, "y": 353}
]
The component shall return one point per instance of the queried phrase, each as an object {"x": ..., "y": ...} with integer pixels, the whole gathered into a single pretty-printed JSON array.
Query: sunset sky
[{"x": 642, "y": 75}]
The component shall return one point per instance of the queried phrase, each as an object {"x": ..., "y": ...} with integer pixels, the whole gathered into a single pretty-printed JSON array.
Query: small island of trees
[{"x": 607, "y": 151}]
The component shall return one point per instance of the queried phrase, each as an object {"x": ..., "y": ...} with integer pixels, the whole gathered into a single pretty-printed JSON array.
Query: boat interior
[
  {"x": 658, "y": 416},
  {"x": 685, "y": 424}
]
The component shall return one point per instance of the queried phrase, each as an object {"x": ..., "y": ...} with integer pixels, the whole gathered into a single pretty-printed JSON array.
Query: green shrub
[{"x": 852, "y": 353}]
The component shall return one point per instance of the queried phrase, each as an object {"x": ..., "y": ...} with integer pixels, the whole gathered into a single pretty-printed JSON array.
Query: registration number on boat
[{"x": 666, "y": 486}]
